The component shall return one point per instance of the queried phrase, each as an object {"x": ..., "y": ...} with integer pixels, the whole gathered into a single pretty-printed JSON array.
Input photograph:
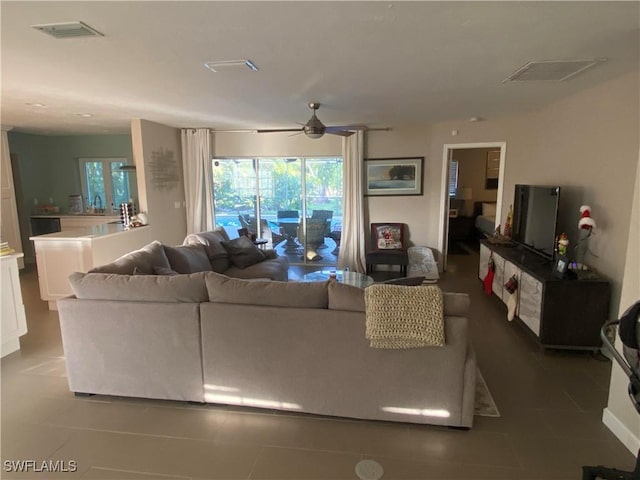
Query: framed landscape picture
[{"x": 393, "y": 176}]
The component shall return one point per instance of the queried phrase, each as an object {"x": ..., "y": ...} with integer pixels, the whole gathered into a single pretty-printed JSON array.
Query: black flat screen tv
[{"x": 535, "y": 218}]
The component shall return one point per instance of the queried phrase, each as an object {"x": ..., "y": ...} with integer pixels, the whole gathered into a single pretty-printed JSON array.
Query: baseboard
[{"x": 621, "y": 431}]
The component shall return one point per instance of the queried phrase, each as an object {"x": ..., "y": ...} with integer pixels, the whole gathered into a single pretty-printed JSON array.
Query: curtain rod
[{"x": 255, "y": 130}]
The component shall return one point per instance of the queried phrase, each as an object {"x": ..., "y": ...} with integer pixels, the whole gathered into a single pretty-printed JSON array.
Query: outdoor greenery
[
  {"x": 280, "y": 181},
  {"x": 96, "y": 174}
]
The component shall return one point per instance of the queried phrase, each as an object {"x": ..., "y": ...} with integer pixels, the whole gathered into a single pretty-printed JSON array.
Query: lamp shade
[{"x": 464, "y": 193}]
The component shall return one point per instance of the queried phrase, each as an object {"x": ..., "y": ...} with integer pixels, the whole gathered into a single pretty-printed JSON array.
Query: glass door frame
[{"x": 258, "y": 194}]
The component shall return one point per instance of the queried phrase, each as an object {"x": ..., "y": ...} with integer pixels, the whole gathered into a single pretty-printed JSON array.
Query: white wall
[{"x": 157, "y": 154}]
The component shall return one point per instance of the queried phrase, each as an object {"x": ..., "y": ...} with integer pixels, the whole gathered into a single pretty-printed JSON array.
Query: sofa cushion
[
  {"x": 242, "y": 252},
  {"x": 345, "y": 297},
  {"x": 273, "y": 269},
  {"x": 149, "y": 256},
  {"x": 218, "y": 256},
  {"x": 164, "y": 271},
  {"x": 188, "y": 258},
  {"x": 223, "y": 289},
  {"x": 456, "y": 304},
  {"x": 139, "y": 288}
]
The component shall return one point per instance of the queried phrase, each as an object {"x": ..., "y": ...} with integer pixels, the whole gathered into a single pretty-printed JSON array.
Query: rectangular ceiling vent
[
  {"x": 231, "y": 65},
  {"x": 68, "y": 30},
  {"x": 551, "y": 71}
]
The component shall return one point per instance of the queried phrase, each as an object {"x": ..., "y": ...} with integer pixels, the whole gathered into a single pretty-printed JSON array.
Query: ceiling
[{"x": 376, "y": 63}]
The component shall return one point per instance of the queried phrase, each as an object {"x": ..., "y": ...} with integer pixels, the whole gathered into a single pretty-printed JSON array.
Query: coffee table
[{"x": 349, "y": 278}]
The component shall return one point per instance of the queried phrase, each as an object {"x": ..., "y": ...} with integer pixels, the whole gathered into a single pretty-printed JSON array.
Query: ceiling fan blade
[
  {"x": 280, "y": 130},
  {"x": 345, "y": 130},
  {"x": 342, "y": 133}
]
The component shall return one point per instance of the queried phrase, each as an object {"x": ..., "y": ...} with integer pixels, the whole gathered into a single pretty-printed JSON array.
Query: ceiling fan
[{"x": 314, "y": 128}]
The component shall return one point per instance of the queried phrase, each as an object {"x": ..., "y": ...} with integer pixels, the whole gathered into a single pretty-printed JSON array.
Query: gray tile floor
[{"x": 551, "y": 405}]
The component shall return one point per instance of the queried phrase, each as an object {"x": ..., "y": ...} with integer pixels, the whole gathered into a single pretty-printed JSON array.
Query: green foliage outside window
[{"x": 280, "y": 186}]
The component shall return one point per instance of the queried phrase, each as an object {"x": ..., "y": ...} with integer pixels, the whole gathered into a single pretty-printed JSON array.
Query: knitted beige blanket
[{"x": 404, "y": 317}]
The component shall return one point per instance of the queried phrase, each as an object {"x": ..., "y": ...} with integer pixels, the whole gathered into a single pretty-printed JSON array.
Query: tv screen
[{"x": 535, "y": 215}]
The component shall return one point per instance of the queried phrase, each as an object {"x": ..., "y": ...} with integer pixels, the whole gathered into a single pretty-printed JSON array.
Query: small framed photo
[{"x": 560, "y": 266}]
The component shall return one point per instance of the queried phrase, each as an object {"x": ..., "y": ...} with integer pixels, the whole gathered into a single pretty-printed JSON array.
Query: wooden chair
[{"x": 388, "y": 246}]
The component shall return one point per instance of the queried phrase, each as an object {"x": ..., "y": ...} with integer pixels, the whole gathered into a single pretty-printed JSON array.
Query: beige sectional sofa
[
  {"x": 207, "y": 251},
  {"x": 207, "y": 337}
]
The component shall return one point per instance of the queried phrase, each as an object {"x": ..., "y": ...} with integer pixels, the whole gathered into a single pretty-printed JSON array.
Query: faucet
[{"x": 98, "y": 200}]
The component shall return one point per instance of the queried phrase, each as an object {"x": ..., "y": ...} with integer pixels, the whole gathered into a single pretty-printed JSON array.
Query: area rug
[{"x": 485, "y": 405}]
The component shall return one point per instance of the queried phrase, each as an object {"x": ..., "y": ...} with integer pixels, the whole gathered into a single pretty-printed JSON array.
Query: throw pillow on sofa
[
  {"x": 242, "y": 252},
  {"x": 188, "y": 258},
  {"x": 144, "y": 259},
  {"x": 212, "y": 242}
]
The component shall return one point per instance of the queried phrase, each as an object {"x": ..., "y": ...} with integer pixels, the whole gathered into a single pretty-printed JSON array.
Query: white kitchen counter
[
  {"x": 77, "y": 215},
  {"x": 80, "y": 249},
  {"x": 79, "y": 233}
]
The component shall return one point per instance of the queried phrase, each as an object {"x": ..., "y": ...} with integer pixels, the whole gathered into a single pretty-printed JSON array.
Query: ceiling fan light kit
[{"x": 315, "y": 129}]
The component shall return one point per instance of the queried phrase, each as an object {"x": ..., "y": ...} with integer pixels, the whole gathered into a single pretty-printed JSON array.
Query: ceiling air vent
[
  {"x": 231, "y": 65},
  {"x": 68, "y": 30},
  {"x": 551, "y": 71}
]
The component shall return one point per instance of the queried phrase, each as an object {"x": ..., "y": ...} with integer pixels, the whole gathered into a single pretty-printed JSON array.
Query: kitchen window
[{"x": 104, "y": 185}]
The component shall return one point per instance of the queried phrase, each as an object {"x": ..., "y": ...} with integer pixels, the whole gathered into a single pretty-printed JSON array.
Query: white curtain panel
[
  {"x": 198, "y": 181},
  {"x": 352, "y": 242}
]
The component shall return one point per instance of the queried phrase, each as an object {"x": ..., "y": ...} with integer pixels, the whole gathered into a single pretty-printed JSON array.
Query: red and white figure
[{"x": 586, "y": 222}]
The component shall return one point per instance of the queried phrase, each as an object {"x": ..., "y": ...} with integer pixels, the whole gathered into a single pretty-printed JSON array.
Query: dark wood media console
[{"x": 561, "y": 313}]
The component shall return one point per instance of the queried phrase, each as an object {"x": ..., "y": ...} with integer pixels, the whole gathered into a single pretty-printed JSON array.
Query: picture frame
[
  {"x": 492, "y": 170},
  {"x": 560, "y": 266},
  {"x": 393, "y": 176}
]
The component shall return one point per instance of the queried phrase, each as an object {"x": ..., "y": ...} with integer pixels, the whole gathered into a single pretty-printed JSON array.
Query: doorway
[{"x": 472, "y": 181}]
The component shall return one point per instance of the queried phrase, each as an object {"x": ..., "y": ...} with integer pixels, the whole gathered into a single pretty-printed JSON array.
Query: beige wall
[
  {"x": 157, "y": 154},
  {"x": 588, "y": 144},
  {"x": 620, "y": 416},
  {"x": 406, "y": 141},
  {"x": 274, "y": 145}
]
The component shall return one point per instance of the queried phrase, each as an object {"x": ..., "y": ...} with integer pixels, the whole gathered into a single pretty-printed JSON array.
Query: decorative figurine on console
[
  {"x": 586, "y": 222},
  {"x": 563, "y": 244},
  {"x": 587, "y": 225},
  {"x": 507, "y": 225}
]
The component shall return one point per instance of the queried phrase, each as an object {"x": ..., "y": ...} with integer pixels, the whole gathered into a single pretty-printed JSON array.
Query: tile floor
[{"x": 551, "y": 405}]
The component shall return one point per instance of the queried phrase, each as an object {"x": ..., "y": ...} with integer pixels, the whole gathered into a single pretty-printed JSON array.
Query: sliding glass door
[{"x": 293, "y": 203}]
